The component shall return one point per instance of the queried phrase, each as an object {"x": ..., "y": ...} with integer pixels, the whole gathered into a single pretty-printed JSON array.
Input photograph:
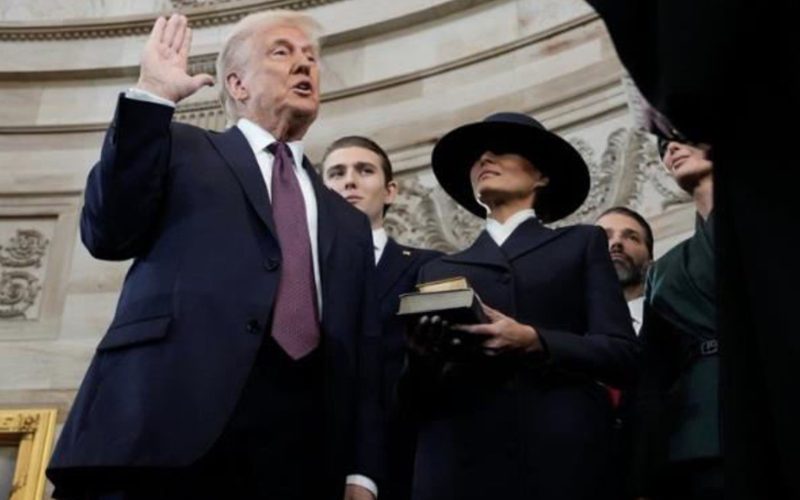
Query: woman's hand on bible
[{"x": 504, "y": 333}]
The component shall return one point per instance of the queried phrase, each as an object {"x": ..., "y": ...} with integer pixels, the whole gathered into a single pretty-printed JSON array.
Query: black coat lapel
[
  {"x": 527, "y": 236},
  {"x": 236, "y": 151},
  {"x": 484, "y": 252}
]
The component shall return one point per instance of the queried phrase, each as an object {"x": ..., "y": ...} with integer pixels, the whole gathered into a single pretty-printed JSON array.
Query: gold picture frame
[{"x": 32, "y": 432}]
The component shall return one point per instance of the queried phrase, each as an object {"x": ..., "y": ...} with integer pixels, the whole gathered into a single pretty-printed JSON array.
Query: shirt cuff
[
  {"x": 143, "y": 95},
  {"x": 364, "y": 482}
]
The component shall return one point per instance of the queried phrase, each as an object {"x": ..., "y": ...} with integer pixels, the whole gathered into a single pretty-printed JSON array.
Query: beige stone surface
[{"x": 57, "y": 10}]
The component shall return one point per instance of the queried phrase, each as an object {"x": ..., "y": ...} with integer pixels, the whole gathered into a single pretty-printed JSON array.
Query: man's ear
[
  {"x": 391, "y": 190},
  {"x": 236, "y": 87}
]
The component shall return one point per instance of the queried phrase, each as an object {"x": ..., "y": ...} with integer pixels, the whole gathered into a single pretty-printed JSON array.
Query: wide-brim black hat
[{"x": 502, "y": 133}]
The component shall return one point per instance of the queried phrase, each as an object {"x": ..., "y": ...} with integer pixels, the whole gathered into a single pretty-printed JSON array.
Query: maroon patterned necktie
[{"x": 295, "y": 323}]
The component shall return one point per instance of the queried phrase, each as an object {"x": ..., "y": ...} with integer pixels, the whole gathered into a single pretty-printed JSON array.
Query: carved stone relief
[
  {"x": 22, "y": 266},
  {"x": 625, "y": 174},
  {"x": 26, "y": 249},
  {"x": 427, "y": 217},
  {"x": 37, "y": 238}
]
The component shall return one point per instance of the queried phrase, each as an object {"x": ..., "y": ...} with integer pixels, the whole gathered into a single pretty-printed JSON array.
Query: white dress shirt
[
  {"x": 501, "y": 231},
  {"x": 636, "y": 307},
  {"x": 379, "y": 240},
  {"x": 259, "y": 139}
]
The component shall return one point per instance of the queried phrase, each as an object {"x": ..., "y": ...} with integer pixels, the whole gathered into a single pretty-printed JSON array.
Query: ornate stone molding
[
  {"x": 628, "y": 165},
  {"x": 182, "y": 4},
  {"x": 206, "y": 63},
  {"x": 428, "y": 218},
  {"x": 205, "y": 114},
  {"x": 204, "y": 16}
]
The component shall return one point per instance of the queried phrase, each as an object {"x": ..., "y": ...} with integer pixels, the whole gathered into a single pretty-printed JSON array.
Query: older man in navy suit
[
  {"x": 360, "y": 170},
  {"x": 242, "y": 361},
  {"x": 520, "y": 413}
]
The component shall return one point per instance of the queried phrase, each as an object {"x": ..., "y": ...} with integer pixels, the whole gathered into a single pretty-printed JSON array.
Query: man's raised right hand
[{"x": 165, "y": 59}]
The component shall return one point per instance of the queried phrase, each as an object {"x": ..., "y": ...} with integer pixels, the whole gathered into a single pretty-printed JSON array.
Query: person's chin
[
  {"x": 359, "y": 205},
  {"x": 492, "y": 191},
  {"x": 622, "y": 270},
  {"x": 306, "y": 106},
  {"x": 689, "y": 180}
]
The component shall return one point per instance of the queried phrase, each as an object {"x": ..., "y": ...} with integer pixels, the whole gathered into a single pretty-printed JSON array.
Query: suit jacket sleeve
[
  {"x": 419, "y": 383},
  {"x": 126, "y": 188},
  {"x": 608, "y": 349}
]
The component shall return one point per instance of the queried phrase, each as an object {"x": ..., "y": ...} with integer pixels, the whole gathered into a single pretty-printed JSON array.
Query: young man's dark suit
[
  {"x": 397, "y": 272},
  {"x": 525, "y": 426},
  {"x": 189, "y": 352}
]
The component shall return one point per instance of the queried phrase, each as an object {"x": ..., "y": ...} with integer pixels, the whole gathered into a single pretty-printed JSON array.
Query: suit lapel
[
  {"x": 394, "y": 262},
  {"x": 529, "y": 235},
  {"x": 484, "y": 252},
  {"x": 234, "y": 148}
]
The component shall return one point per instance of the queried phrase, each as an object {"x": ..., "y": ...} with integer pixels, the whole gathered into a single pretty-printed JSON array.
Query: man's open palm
[{"x": 165, "y": 59}]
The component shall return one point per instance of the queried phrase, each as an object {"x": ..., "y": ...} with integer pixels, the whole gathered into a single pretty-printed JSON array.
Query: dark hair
[
  {"x": 633, "y": 214},
  {"x": 357, "y": 141}
]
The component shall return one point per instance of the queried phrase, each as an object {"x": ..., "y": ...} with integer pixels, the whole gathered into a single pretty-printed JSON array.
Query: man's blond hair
[{"x": 237, "y": 49}]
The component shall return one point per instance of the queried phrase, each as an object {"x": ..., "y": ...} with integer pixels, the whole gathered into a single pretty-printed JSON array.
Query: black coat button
[
  {"x": 252, "y": 326},
  {"x": 505, "y": 278},
  {"x": 272, "y": 263}
]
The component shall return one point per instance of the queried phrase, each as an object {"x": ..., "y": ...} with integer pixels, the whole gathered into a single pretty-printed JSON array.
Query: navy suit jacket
[
  {"x": 521, "y": 426},
  {"x": 191, "y": 208},
  {"x": 396, "y": 274}
]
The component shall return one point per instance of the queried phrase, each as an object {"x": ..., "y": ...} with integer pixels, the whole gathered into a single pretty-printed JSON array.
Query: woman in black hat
[{"x": 524, "y": 416}]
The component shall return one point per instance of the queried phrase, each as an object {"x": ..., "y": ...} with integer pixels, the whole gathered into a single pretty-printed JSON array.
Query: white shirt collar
[
  {"x": 501, "y": 231},
  {"x": 379, "y": 240},
  {"x": 259, "y": 139},
  {"x": 636, "y": 308}
]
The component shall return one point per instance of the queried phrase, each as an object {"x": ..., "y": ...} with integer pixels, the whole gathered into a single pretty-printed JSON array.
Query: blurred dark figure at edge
[{"x": 726, "y": 73}]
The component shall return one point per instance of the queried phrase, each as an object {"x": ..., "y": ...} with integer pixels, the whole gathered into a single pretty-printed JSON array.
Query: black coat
[{"x": 526, "y": 426}]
